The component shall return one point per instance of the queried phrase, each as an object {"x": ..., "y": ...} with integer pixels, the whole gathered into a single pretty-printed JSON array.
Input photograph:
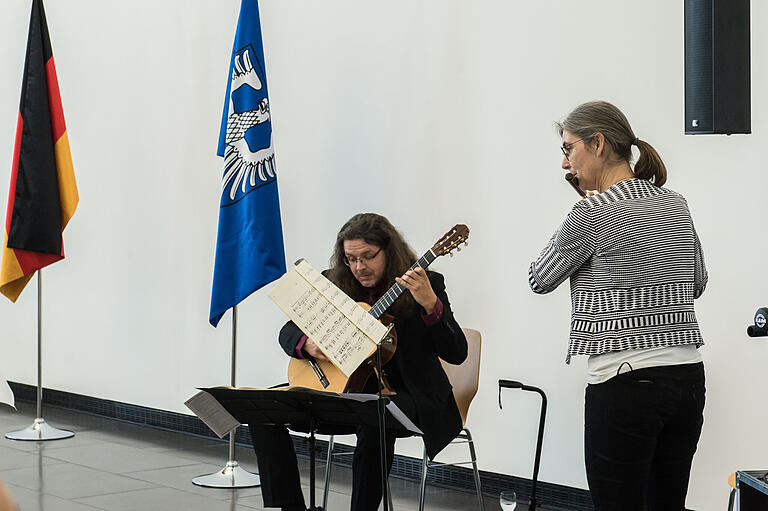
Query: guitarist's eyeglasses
[{"x": 365, "y": 259}]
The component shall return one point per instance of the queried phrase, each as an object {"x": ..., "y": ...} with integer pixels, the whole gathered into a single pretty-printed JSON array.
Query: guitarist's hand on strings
[
  {"x": 311, "y": 349},
  {"x": 417, "y": 282}
]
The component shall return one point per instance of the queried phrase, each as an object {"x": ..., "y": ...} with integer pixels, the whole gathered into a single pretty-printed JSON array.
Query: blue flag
[{"x": 249, "y": 248}]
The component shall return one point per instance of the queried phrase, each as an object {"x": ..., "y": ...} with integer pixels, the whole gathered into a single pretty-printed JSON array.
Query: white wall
[{"x": 431, "y": 113}]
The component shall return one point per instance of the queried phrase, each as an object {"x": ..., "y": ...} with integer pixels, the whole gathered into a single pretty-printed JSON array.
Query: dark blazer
[{"x": 418, "y": 349}]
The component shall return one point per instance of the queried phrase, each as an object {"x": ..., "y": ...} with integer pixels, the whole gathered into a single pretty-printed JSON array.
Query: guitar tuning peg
[
  {"x": 450, "y": 254},
  {"x": 458, "y": 249},
  {"x": 466, "y": 243}
]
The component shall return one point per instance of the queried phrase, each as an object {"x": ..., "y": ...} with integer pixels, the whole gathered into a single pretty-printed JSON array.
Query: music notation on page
[{"x": 342, "y": 329}]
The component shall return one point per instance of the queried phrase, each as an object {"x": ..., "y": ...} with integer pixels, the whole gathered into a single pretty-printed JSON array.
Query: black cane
[{"x": 509, "y": 384}]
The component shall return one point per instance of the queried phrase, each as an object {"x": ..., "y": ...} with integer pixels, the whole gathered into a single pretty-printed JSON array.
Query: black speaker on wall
[{"x": 717, "y": 88}]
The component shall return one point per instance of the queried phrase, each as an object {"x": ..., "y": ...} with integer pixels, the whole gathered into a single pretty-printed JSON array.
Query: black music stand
[{"x": 308, "y": 410}]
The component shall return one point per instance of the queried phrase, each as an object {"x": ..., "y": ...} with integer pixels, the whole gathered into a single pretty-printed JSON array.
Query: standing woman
[{"x": 635, "y": 266}]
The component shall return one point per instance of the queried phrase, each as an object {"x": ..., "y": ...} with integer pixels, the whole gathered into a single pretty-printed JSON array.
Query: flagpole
[
  {"x": 232, "y": 475},
  {"x": 39, "y": 430}
]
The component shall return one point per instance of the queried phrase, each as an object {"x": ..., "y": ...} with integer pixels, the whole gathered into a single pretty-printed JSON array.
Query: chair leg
[
  {"x": 389, "y": 496},
  {"x": 328, "y": 465},
  {"x": 474, "y": 469},
  {"x": 424, "y": 466}
]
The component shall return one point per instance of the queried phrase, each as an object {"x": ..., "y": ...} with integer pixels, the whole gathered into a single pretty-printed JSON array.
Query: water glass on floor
[{"x": 508, "y": 500}]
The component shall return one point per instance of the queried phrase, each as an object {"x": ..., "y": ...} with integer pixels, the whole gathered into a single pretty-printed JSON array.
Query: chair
[
  {"x": 734, "y": 491},
  {"x": 464, "y": 378}
]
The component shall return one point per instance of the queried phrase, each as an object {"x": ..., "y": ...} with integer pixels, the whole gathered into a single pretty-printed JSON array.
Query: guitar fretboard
[{"x": 382, "y": 304}]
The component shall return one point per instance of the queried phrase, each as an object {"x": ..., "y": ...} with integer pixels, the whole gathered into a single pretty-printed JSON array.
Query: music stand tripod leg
[
  {"x": 312, "y": 428},
  {"x": 382, "y": 432}
]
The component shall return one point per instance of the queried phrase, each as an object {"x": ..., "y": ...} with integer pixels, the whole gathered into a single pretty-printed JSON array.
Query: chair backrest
[{"x": 465, "y": 377}]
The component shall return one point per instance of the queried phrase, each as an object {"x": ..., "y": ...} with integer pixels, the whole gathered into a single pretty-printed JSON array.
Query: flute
[{"x": 574, "y": 182}]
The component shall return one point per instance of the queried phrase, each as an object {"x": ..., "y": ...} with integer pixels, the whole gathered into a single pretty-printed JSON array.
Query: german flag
[{"x": 43, "y": 193}]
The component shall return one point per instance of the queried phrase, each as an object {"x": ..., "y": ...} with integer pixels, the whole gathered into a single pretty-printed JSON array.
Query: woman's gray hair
[{"x": 589, "y": 119}]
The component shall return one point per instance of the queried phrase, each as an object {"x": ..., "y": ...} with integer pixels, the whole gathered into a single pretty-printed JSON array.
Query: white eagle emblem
[{"x": 241, "y": 163}]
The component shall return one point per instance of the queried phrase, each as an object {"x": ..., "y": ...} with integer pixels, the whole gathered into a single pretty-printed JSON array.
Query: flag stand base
[
  {"x": 39, "y": 431},
  {"x": 231, "y": 476}
]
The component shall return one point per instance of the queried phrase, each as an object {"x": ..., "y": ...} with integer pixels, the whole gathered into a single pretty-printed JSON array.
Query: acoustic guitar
[{"x": 323, "y": 375}]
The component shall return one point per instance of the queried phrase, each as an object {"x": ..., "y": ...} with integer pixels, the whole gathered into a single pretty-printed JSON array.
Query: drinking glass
[{"x": 508, "y": 500}]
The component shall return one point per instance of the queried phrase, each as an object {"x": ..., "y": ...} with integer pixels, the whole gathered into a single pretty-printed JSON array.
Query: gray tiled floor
[{"x": 113, "y": 466}]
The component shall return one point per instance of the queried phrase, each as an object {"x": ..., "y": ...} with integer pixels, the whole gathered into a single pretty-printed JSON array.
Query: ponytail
[{"x": 650, "y": 165}]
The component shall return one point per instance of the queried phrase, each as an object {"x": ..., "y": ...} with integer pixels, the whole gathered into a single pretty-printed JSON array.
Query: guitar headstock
[{"x": 452, "y": 239}]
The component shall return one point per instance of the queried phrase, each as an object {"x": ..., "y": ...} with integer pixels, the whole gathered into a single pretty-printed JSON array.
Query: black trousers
[
  {"x": 279, "y": 472},
  {"x": 641, "y": 429}
]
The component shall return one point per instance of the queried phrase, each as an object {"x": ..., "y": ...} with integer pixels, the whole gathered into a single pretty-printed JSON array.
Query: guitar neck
[{"x": 382, "y": 304}]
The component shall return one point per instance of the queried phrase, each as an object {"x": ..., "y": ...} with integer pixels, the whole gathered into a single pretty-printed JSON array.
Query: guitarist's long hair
[{"x": 375, "y": 230}]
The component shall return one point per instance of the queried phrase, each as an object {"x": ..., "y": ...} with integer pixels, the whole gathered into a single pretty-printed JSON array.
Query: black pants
[
  {"x": 641, "y": 429},
  {"x": 279, "y": 472}
]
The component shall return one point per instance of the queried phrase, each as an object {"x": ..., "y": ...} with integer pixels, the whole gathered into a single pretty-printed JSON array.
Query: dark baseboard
[{"x": 459, "y": 478}]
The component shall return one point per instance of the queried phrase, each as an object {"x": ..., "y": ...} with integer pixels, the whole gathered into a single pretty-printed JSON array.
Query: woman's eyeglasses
[{"x": 567, "y": 148}]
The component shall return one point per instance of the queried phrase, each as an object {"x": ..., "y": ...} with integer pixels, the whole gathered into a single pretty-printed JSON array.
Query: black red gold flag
[{"x": 43, "y": 193}]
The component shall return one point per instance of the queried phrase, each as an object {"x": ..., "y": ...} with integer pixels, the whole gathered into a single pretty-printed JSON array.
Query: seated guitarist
[{"x": 370, "y": 255}]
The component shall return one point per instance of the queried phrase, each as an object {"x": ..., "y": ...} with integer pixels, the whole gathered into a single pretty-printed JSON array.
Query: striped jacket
[{"x": 635, "y": 264}]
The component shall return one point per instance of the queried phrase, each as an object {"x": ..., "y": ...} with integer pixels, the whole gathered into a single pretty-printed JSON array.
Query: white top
[{"x": 603, "y": 367}]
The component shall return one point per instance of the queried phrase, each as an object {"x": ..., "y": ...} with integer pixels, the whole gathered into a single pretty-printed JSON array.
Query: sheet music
[
  {"x": 6, "y": 394},
  {"x": 343, "y": 330},
  {"x": 403, "y": 419},
  {"x": 359, "y": 316},
  {"x": 212, "y": 413}
]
